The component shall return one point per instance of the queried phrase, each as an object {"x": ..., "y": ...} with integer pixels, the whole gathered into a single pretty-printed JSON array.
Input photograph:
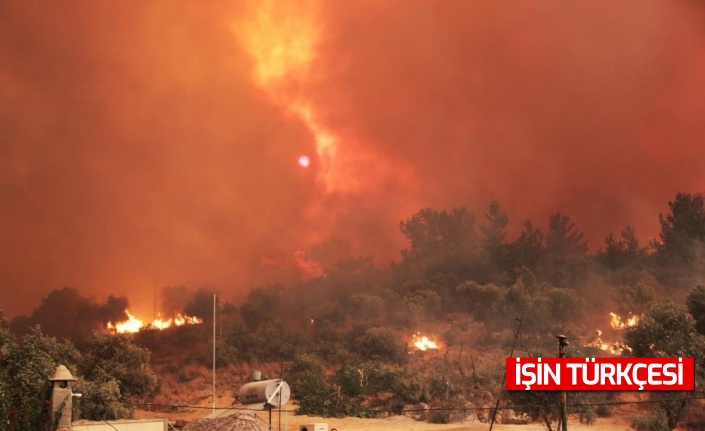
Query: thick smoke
[
  {"x": 138, "y": 147},
  {"x": 65, "y": 313}
]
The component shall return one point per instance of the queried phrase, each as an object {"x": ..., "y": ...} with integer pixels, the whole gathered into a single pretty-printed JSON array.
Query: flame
[
  {"x": 423, "y": 343},
  {"x": 615, "y": 348},
  {"x": 617, "y": 322},
  {"x": 133, "y": 324}
]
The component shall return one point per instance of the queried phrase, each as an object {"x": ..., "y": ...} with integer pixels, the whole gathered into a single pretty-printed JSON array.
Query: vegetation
[
  {"x": 113, "y": 376},
  {"x": 344, "y": 340}
]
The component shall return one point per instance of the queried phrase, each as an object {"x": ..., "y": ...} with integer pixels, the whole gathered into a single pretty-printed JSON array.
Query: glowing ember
[
  {"x": 617, "y": 322},
  {"x": 304, "y": 161},
  {"x": 423, "y": 343},
  {"x": 133, "y": 324}
]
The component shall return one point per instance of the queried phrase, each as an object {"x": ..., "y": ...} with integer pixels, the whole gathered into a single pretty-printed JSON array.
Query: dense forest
[{"x": 344, "y": 340}]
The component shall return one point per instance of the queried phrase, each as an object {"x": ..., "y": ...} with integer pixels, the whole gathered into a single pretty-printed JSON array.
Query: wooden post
[{"x": 563, "y": 424}]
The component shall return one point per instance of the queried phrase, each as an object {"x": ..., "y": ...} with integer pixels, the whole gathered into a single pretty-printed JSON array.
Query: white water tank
[{"x": 271, "y": 393}]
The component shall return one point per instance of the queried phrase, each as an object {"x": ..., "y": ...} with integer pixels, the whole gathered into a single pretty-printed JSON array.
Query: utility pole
[
  {"x": 155, "y": 301},
  {"x": 504, "y": 380},
  {"x": 563, "y": 424},
  {"x": 215, "y": 299}
]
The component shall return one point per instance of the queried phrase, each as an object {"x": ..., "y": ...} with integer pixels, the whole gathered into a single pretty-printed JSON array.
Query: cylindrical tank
[{"x": 272, "y": 393}]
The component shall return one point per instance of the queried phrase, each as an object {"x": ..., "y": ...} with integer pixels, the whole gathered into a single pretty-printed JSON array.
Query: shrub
[
  {"x": 380, "y": 343},
  {"x": 655, "y": 421}
]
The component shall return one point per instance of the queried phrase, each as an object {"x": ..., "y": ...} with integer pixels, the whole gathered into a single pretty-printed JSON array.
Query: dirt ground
[
  {"x": 403, "y": 423},
  {"x": 291, "y": 422}
]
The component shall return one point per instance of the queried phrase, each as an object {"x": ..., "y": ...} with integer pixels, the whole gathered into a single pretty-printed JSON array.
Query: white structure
[{"x": 269, "y": 393}]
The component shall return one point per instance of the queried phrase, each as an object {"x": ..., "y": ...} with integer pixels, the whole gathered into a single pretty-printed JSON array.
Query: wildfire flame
[
  {"x": 615, "y": 348},
  {"x": 423, "y": 343},
  {"x": 618, "y": 322},
  {"x": 133, "y": 324}
]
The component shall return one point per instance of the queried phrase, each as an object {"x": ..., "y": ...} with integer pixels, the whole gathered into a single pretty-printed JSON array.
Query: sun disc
[{"x": 304, "y": 161}]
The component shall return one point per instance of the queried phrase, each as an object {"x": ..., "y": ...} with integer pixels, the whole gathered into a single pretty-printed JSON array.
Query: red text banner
[{"x": 601, "y": 374}]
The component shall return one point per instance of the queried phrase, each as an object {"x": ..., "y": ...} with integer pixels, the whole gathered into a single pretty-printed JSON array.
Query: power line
[{"x": 512, "y": 407}]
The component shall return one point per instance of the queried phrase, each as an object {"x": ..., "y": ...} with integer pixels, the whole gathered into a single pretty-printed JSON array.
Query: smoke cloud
[{"x": 156, "y": 143}]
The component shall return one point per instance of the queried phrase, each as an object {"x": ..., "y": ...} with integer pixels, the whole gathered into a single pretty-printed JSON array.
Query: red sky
[{"x": 156, "y": 143}]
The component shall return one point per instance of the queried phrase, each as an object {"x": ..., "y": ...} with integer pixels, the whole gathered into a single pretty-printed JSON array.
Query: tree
[
  {"x": 201, "y": 305},
  {"x": 366, "y": 306},
  {"x": 261, "y": 304},
  {"x": 380, "y": 343},
  {"x": 87, "y": 315},
  {"x": 114, "y": 357},
  {"x": 366, "y": 378},
  {"x": 114, "y": 310},
  {"x": 528, "y": 250},
  {"x": 422, "y": 303},
  {"x": 668, "y": 330},
  {"x": 5, "y": 340},
  {"x": 566, "y": 251},
  {"x": 101, "y": 400},
  {"x": 565, "y": 305},
  {"x": 494, "y": 234},
  {"x": 482, "y": 301},
  {"x": 241, "y": 343},
  {"x": 27, "y": 364},
  {"x": 25, "y": 368},
  {"x": 635, "y": 298},
  {"x": 624, "y": 251},
  {"x": 543, "y": 307},
  {"x": 682, "y": 230},
  {"x": 308, "y": 380},
  {"x": 696, "y": 306},
  {"x": 544, "y": 405},
  {"x": 440, "y": 241},
  {"x": 538, "y": 405}
]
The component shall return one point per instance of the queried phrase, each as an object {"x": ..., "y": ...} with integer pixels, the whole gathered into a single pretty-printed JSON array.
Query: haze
[{"x": 148, "y": 144}]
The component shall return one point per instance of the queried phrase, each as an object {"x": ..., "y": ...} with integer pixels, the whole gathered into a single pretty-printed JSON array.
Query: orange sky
[{"x": 157, "y": 143}]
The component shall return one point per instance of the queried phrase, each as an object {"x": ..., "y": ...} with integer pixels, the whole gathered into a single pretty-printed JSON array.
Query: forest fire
[
  {"x": 618, "y": 322},
  {"x": 615, "y": 348},
  {"x": 423, "y": 343},
  {"x": 133, "y": 324}
]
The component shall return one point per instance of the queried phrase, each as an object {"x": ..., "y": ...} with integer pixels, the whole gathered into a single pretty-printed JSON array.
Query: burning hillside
[{"x": 133, "y": 324}]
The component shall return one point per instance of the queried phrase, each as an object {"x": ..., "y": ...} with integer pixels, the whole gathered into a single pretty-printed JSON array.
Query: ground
[
  {"x": 291, "y": 422},
  {"x": 402, "y": 423}
]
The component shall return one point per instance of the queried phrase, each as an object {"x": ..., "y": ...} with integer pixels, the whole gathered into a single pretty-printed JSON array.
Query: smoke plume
[{"x": 156, "y": 143}]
